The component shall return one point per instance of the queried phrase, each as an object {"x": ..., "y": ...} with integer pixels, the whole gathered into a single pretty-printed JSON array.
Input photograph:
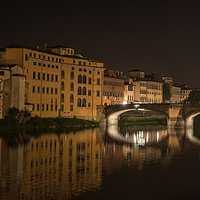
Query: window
[
  {"x": 56, "y": 90},
  {"x": 51, "y": 90},
  {"x": 84, "y": 103},
  {"x": 47, "y": 107},
  {"x": 84, "y": 90},
  {"x": 62, "y": 98},
  {"x": 34, "y": 74},
  {"x": 2, "y": 73},
  {"x": 71, "y": 107},
  {"x": 34, "y": 63},
  {"x": 72, "y": 86},
  {"x": 62, "y": 85},
  {"x": 79, "y": 90},
  {"x": 33, "y": 89},
  {"x": 43, "y": 90},
  {"x": 38, "y": 75},
  {"x": 43, "y": 76},
  {"x": 38, "y": 89},
  {"x": 56, "y": 107},
  {"x": 26, "y": 57},
  {"x": 98, "y": 81},
  {"x": 89, "y": 104},
  {"x": 89, "y": 92},
  {"x": 89, "y": 81},
  {"x": 71, "y": 98},
  {"x": 38, "y": 107},
  {"x": 47, "y": 77},
  {"x": 52, "y": 77},
  {"x": 98, "y": 93},
  {"x": 33, "y": 108},
  {"x": 51, "y": 107},
  {"x": 44, "y": 65},
  {"x": 42, "y": 107},
  {"x": 72, "y": 75},
  {"x": 79, "y": 102},
  {"x": 79, "y": 79},
  {"x": 56, "y": 78},
  {"x": 84, "y": 79},
  {"x": 47, "y": 90},
  {"x": 62, "y": 107},
  {"x": 90, "y": 72},
  {"x": 62, "y": 74}
]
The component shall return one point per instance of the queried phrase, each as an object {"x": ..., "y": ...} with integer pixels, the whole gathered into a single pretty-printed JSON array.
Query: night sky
[{"x": 160, "y": 36}]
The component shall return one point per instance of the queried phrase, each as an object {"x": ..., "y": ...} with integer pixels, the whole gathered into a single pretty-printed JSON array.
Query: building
[
  {"x": 175, "y": 94},
  {"x": 61, "y": 83},
  {"x": 128, "y": 93},
  {"x": 113, "y": 89},
  {"x": 13, "y": 89},
  {"x": 146, "y": 89},
  {"x": 185, "y": 91}
]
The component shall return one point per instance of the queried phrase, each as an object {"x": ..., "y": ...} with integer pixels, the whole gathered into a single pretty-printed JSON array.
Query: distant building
[
  {"x": 113, "y": 88},
  {"x": 146, "y": 89},
  {"x": 176, "y": 94},
  {"x": 185, "y": 91},
  {"x": 128, "y": 93}
]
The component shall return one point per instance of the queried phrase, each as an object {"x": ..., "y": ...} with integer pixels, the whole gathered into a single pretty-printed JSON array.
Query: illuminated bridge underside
[{"x": 178, "y": 115}]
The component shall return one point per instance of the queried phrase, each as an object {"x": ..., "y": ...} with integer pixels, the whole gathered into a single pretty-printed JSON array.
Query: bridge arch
[
  {"x": 112, "y": 118},
  {"x": 190, "y": 118}
]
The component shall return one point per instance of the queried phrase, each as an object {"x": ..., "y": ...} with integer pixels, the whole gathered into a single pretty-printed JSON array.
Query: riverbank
[
  {"x": 153, "y": 119},
  {"x": 45, "y": 124}
]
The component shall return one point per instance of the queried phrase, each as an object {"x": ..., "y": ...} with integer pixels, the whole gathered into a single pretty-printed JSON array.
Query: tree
[
  {"x": 194, "y": 96},
  {"x": 166, "y": 92}
]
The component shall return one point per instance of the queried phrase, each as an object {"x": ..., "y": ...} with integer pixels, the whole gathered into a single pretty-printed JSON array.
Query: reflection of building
[
  {"x": 58, "y": 166},
  {"x": 61, "y": 83},
  {"x": 113, "y": 89},
  {"x": 11, "y": 170}
]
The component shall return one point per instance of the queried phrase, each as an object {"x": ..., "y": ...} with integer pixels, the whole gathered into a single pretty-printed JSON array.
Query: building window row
[
  {"x": 45, "y": 77},
  {"x": 82, "y": 102},
  {"x": 44, "y": 57},
  {"x": 45, "y": 65},
  {"x": 113, "y": 94},
  {"x": 115, "y": 83},
  {"x": 47, "y": 90},
  {"x": 45, "y": 107}
]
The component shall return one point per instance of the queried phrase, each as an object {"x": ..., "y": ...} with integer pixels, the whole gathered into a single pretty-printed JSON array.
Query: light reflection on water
[{"x": 66, "y": 166}]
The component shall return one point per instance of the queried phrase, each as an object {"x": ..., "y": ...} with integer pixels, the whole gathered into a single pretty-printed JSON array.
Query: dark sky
[{"x": 160, "y": 36}]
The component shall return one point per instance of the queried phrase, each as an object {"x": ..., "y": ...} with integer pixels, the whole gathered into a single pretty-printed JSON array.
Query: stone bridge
[{"x": 178, "y": 115}]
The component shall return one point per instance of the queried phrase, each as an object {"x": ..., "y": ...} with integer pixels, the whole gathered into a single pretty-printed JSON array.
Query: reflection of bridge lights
[
  {"x": 147, "y": 137},
  {"x": 157, "y": 136}
]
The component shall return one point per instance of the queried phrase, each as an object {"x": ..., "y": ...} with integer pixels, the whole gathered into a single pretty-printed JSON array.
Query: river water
[{"x": 132, "y": 162}]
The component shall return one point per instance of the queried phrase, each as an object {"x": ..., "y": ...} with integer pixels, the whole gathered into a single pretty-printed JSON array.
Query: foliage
[
  {"x": 166, "y": 92},
  {"x": 159, "y": 119},
  {"x": 194, "y": 96}
]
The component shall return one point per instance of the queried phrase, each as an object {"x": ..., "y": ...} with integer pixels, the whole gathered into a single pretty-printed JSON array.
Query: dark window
[
  {"x": 26, "y": 57},
  {"x": 43, "y": 90},
  {"x": 62, "y": 85},
  {"x": 89, "y": 92},
  {"x": 56, "y": 77},
  {"x": 47, "y": 90},
  {"x": 34, "y": 63},
  {"x": 33, "y": 89},
  {"x": 79, "y": 90},
  {"x": 84, "y": 102},
  {"x": 98, "y": 93},
  {"x": 38, "y": 107},
  {"x": 43, "y": 76},
  {"x": 52, "y": 77},
  {"x": 51, "y": 107},
  {"x": 51, "y": 90},
  {"x": 79, "y": 102},
  {"x": 79, "y": 79},
  {"x": 62, "y": 107},
  {"x": 98, "y": 81},
  {"x": 47, "y": 77},
  {"x": 89, "y": 104},
  {"x": 84, "y": 90},
  {"x": 56, "y": 90},
  {"x": 89, "y": 81},
  {"x": 34, "y": 74},
  {"x": 47, "y": 107},
  {"x": 84, "y": 79},
  {"x": 38, "y": 89},
  {"x": 38, "y": 75}
]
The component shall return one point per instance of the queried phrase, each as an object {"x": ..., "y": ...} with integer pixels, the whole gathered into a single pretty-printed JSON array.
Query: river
[{"x": 132, "y": 162}]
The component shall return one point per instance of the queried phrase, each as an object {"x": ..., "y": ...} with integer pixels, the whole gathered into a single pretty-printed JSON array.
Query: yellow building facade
[{"x": 61, "y": 83}]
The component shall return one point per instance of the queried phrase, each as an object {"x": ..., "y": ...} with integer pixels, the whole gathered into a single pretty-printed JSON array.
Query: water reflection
[{"x": 64, "y": 166}]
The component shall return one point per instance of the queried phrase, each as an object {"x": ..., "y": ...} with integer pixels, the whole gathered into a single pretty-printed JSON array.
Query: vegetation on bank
[
  {"x": 22, "y": 121},
  {"x": 153, "y": 119}
]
